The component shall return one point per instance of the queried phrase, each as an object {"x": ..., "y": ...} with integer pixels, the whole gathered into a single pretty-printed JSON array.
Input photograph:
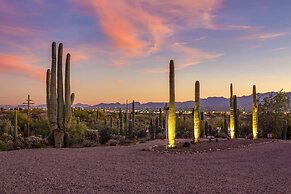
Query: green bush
[
  {"x": 40, "y": 127},
  {"x": 105, "y": 134},
  {"x": 3, "y": 146},
  {"x": 77, "y": 132}
]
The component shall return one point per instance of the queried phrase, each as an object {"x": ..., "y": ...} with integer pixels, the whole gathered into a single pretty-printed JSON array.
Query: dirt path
[{"x": 262, "y": 168}]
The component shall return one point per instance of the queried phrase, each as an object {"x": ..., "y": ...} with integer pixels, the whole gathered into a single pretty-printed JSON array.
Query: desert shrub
[
  {"x": 40, "y": 127},
  {"x": 186, "y": 144},
  {"x": 161, "y": 135},
  {"x": 112, "y": 142},
  {"x": 105, "y": 134},
  {"x": 88, "y": 143},
  {"x": 122, "y": 140},
  {"x": 34, "y": 142},
  {"x": 5, "y": 126},
  {"x": 3, "y": 146},
  {"x": 92, "y": 135},
  {"x": 77, "y": 132},
  {"x": 221, "y": 135},
  {"x": 141, "y": 133}
]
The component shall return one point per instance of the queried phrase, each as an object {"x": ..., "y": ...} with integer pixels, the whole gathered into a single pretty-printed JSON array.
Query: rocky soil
[{"x": 257, "y": 168}]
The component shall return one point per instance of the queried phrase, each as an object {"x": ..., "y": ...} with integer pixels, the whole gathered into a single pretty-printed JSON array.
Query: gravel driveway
[{"x": 261, "y": 168}]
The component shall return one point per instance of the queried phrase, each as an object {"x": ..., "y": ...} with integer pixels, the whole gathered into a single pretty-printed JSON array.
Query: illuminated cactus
[
  {"x": 255, "y": 114},
  {"x": 232, "y": 112},
  {"x": 197, "y": 113},
  {"x": 59, "y": 108},
  {"x": 172, "y": 113}
]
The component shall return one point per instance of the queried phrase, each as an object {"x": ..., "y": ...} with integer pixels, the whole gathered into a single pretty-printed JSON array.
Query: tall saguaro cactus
[
  {"x": 133, "y": 115},
  {"x": 172, "y": 113},
  {"x": 255, "y": 114},
  {"x": 15, "y": 134},
  {"x": 232, "y": 114},
  {"x": 58, "y": 106},
  {"x": 197, "y": 113},
  {"x": 120, "y": 122}
]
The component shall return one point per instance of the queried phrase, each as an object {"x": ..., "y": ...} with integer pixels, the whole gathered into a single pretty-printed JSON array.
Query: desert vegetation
[{"x": 61, "y": 125}]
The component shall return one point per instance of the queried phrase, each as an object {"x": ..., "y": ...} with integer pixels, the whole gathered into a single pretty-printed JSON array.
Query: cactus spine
[
  {"x": 231, "y": 117},
  {"x": 172, "y": 113},
  {"x": 59, "y": 111},
  {"x": 197, "y": 113},
  {"x": 255, "y": 114}
]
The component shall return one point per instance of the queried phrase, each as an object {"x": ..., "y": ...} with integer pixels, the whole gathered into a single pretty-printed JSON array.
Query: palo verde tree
[{"x": 273, "y": 114}]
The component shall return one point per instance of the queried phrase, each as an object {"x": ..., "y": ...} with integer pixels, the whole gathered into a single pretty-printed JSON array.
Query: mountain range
[{"x": 206, "y": 104}]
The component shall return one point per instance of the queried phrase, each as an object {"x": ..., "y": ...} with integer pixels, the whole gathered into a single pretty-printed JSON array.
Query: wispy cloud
[
  {"x": 21, "y": 65},
  {"x": 280, "y": 49},
  {"x": 267, "y": 36},
  {"x": 186, "y": 57}
]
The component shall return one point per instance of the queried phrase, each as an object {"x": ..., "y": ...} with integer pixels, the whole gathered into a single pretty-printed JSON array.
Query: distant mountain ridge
[{"x": 207, "y": 104}]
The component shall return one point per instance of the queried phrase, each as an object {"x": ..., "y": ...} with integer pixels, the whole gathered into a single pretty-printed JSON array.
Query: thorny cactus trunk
[
  {"x": 255, "y": 114},
  {"x": 172, "y": 113},
  {"x": 232, "y": 114},
  {"x": 59, "y": 111},
  {"x": 197, "y": 113}
]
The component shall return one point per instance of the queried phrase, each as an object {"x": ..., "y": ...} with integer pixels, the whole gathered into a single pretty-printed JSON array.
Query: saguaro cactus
[
  {"x": 255, "y": 114},
  {"x": 236, "y": 115},
  {"x": 133, "y": 115},
  {"x": 120, "y": 122},
  {"x": 160, "y": 119},
  {"x": 197, "y": 113},
  {"x": 172, "y": 113},
  {"x": 15, "y": 134},
  {"x": 232, "y": 113},
  {"x": 59, "y": 111}
]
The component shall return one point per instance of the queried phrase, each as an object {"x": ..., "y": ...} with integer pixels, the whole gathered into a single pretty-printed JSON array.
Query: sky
[{"x": 120, "y": 49}]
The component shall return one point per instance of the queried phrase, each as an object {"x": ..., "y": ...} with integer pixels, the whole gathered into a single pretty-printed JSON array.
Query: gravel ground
[{"x": 260, "y": 168}]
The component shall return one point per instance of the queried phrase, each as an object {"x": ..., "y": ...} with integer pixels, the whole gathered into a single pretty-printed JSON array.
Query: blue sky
[{"x": 121, "y": 49}]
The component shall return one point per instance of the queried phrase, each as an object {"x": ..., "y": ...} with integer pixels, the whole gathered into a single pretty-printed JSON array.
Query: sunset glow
[{"x": 120, "y": 50}]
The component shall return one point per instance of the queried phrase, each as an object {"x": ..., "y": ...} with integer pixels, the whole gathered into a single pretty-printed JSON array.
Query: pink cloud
[
  {"x": 21, "y": 65},
  {"x": 142, "y": 27}
]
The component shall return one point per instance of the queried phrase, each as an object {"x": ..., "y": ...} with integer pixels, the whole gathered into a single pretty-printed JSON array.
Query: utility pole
[{"x": 28, "y": 102}]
